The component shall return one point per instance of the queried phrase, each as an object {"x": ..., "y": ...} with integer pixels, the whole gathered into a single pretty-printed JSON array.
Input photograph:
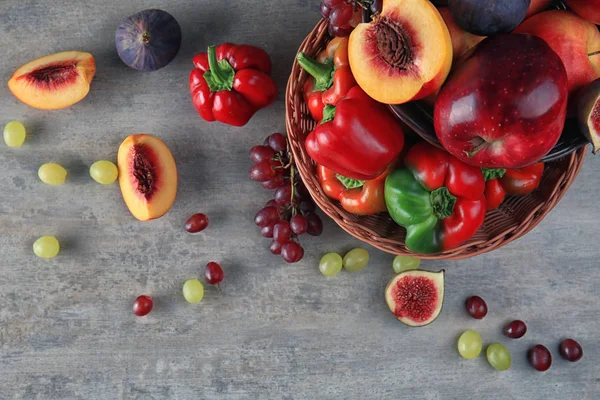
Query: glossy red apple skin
[{"x": 505, "y": 106}]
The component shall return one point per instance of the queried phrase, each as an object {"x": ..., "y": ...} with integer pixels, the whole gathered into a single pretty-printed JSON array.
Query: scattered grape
[
  {"x": 540, "y": 358},
  {"x": 282, "y": 232},
  {"x": 266, "y": 216},
  {"x": 330, "y": 264},
  {"x": 299, "y": 224},
  {"x": 571, "y": 350},
  {"x": 196, "y": 223},
  {"x": 498, "y": 356},
  {"x": 315, "y": 225},
  {"x": 104, "y": 172},
  {"x": 356, "y": 259},
  {"x": 46, "y": 247},
  {"x": 469, "y": 344},
  {"x": 193, "y": 291},
  {"x": 476, "y": 307},
  {"x": 405, "y": 263},
  {"x": 261, "y": 153},
  {"x": 516, "y": 329},
  {"x": 52, "y": 174},
  {"x": 213, "y": 273},
  {"x": 14, "y": 134},
  {"x": 292, "y": 252},
  {"x": 142, "y": 306}
]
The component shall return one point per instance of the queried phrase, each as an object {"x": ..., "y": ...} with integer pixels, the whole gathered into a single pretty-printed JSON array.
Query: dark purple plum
[
  {"x": 148, "y": 40},
  {"x": 488, "y": 17}
]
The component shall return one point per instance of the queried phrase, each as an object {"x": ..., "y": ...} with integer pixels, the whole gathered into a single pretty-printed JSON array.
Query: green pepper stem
[
  {"x": 328, "y": 113},
  {"x": 443, "y": 202},
  {"x": 493, "y": 173},
  {"x": 323, "y": 73},
  {"x": 215, "y": 69}
]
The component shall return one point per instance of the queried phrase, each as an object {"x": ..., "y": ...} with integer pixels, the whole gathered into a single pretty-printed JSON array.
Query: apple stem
[
  {"x": 594, "y": 53},
  {"x": 477, "y": 148}
]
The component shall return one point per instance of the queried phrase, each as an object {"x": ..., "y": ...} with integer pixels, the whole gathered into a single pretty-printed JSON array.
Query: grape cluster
[
  {"x": 343, "y": 15},
  {"x": 291, "y": 211}
]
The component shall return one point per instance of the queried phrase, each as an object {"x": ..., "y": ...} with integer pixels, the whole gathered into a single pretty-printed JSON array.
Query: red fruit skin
[
  {"x": 213, "y": 273},
  {"x": 142, "y": 306},
  {"x": 540, "y": 358},
  {"x": 571, "y": 350},
  {"x": 505, "y": 106}
]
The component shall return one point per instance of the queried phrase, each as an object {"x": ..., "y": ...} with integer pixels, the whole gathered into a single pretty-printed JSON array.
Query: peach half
[
  {"x": 147, "y": 176},
  {"x": 55, "y": 81},
  {"x": 404, "y": 54}
]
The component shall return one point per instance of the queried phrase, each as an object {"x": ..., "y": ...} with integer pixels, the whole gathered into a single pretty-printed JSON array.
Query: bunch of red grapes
[
  {"x": 344, "y": 15},
  {"x": 291, "y": 212}
]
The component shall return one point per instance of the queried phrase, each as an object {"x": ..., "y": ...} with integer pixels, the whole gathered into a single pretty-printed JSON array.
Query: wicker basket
[{"x": 515, "y": 217}]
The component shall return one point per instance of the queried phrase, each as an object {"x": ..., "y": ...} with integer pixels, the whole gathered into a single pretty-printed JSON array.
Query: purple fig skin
[
  {"x": 588, "y": 99},
  {"x": 148, "y": 40}
]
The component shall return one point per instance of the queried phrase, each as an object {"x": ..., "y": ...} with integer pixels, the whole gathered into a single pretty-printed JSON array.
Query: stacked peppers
[{"x": 516, "y": 182}]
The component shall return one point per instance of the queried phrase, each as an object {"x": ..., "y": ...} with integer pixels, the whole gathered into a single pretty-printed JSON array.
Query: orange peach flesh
[
  {"x": 147, "y": 176},
  {"x": 55, "y": 81}
]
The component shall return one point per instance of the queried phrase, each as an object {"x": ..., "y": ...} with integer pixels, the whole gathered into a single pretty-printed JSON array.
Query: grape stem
[
  {"x": 219, "y": 286},
  {"x": 292, "y": 176}
]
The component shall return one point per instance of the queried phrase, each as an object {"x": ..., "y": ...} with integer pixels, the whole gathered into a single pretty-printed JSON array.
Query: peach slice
[
  {"x": 147, "y": 176},
  {"x": 55, "y": 81},
  {"x": 404, "y": 54}
]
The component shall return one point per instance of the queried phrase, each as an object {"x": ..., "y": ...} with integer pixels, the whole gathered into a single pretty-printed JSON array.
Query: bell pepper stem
[
  {"x": 493, "y": 173},
  {"x": 221, "y": 74},
  {"x": 323, "y": 73},
  {"x": 328, "y": 113},
  {"x": 442, "y": 202},
  {"x": 215, "y": 69}
]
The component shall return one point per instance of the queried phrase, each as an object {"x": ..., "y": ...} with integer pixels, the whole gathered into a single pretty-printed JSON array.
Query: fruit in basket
[
  {"x": 52, "y": 174},
  {"x": 416, "y": 297},
  {"x": 574, "y": 39},
  {"x": 462, "y": 41},
  {"x": 538, "y": 6},
  {"x": 437, "y": 198},
  {"x": 588, "y": 113},
  {"x": 14, "y": 134},
  {"x": 343, "y": 16},
  {"x": 147, "y": 176},
  {"x": 469, "y": 344},
  {"x": 488, "y": 17},
  {"x": 148, "y": 40},
  {"x": 231, "y": 82},
  {"x": 55, "y": 81},
  {"x": 516, "y": 182},
  {"x": 357, "y": 139},
  {"x": 588, "y": 9},
  {"x": 404, "y": 54},
  {"x": 505, "y": 114},
  {"x": 540, "y": 358}
]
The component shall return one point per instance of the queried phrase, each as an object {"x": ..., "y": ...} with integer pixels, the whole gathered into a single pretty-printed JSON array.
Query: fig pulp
[
  {"x": 588, "y": 113},
  {"x": 416, "y": 297}
]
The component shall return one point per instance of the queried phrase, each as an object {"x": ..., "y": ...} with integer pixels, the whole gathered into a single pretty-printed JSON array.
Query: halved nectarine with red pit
[
  {"x": 147, "y": 176},
  {"x": 55, "y": 81},
  {"x": 404, "y": 54}
]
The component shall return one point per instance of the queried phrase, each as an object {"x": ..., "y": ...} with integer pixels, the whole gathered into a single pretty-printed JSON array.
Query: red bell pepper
[
  {"x": 356, "y": 197},
  {"x": 231, "y": 82},
  {"x": 357, "y": 139},
  {"x": 331, "y": 77},
  {"x": 516, "y": 182}
]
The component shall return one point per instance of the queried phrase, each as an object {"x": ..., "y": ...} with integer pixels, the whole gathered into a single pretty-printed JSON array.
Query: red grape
[
  {"x": 267, "y": 231},
  {"x": 571, "y": 350},
  {"x": 277, "y": 142},
  {"x": 266, "y": 216},
  {"x": 540, "y": 357},
  {"x": 282, "y": 232},
  {"x": 302, "y": 191},
  {"x": 283, "y": 195},
  {"x": 274, "y": 183},
  {"x": 340, "y": 31},
  {"x": 515, "y": 329},
  {"x": 264, "y": 171},
  {"x": 213, "y": 273},
  {"x": 341, "y": 14},
  {"x": 196, "y": 223},
  {"x": 292, "y": 252},
  {"x": 299, "y": 224},
  {"x": 315, "y": 225},
  {"x": 272, "y": 203},
  {"x": 261, "y": 153},
  {"x": 306, "y": 206},
  {"x": 476, "y": 307},
  {"x": 142, "y": 306},
  {"x": 275, "y": 247}
]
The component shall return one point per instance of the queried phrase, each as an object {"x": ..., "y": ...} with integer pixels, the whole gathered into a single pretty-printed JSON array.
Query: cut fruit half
[
  {"x": 55, "y": 81},
  {"x": 416, "y": 297},
  {"x": 588, "y": 113}
]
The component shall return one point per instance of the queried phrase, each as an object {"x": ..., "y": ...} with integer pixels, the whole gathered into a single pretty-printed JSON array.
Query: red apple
[
  {"x": 505, "y": 106},
  {"x": 537, "y": 6},
  {"x": 588, "y": 9}
]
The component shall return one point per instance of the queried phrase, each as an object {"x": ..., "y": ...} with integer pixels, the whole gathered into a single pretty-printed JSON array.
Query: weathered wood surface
[{"x": 277, "y": 331}]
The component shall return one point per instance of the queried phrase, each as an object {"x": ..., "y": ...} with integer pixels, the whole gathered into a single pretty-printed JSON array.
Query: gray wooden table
[{"x": 276, "y": 331}]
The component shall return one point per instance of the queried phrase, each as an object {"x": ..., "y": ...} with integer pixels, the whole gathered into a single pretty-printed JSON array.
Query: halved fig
[
  {"x": 416, "y": 297},
  {"x": 588, "y": 113},
  {"x": 55, "y": 81},
  {"x": 147, "y": 176}
]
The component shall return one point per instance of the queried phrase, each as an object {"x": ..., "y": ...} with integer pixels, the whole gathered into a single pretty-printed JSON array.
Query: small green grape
[
  {"x": 52, "y": 174},
  {"x": 356, "y": 259},
  {"x": 104, "y": 172},
  {"x": 193, "y": 291},
  {"x": 46, "y": 247},
  {"x": 330, "y": 264},
  {"x": 405, "y": 263},
  {"x": 14, "y": 134},
  {"x": 469, "y": 344},
  {"x": 498, "y": 356}
]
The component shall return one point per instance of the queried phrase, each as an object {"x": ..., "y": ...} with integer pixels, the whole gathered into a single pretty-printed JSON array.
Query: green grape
[
  {"x": 330, "y": 264},
  {"x": 356, "y": 259},
  {"x": 46, "y": 247},
  {"x": 404, "y": 263},
  {"x": 14, "y": 134},
  {"x": 193, "y": 291},
  {"x": 52, "y": 174},
  {"x": 498, "y": 356},
  {"x": 469, "y": 344},
  {"x": 104, "y": 172}
]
